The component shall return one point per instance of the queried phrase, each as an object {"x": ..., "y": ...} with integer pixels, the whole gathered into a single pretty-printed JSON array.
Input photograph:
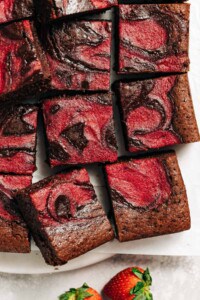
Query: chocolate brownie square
[
  {"x": 18, "y": 126},
  {"x": 158, "y": 113},
  {"x": 14, "y": 235},
  {"x": 54, "y": 9},
  {"x": 12, "y": 10},
  {"x": 79, "y": 55},
  {"x": 85, "y": 130},
  {"x": 154, "y": 38},
  {"x": 148, "y": 196},
  {"x": 23, "y": 67},
  {"x": 64, "y": 216}
]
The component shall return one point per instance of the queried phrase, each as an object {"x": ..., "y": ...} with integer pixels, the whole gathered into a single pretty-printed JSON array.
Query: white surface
[
  {"x": 33, "y": 263},
  {"x": 186, "y": 243},
  {"x": 173, "y": 279}
]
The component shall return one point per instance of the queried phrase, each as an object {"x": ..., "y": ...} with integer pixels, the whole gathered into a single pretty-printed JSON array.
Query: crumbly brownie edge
[
  {"x": 184, "y": 120},
  {"x": 14, "y": 237},
  {"x": 41, "y": 239},
  {"x": 79, "y": 239},
  {"x": 171, "y": 217}
]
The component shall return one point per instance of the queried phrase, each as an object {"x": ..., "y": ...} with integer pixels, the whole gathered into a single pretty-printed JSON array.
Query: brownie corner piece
[
  {"x": 79, "y": 55},
  {"x": 18, "y": 131},
  {"x": 149, "y": 197},
  {"x": 14, "y": 234},
  {"x": 157, "y": 113},
  {"x": 13, "y": 10},
  {"x": 24, "y": 70},
  {"x": 154, "y": 38},
  {"x": 85, "y": 132},
  {"x": 55, "y": 9},
  {"x": 65, "y": 217}
]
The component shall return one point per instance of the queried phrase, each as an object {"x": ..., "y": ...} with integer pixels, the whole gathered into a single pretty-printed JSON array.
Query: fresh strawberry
[
  {"x": 83, "y": 293},
  {"x": 132, "y": 283}
]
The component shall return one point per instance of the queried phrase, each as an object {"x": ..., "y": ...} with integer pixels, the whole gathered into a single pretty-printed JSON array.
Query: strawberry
[
  {"x": 130, "y": 284},
  {"x": 83, "y": 293}
]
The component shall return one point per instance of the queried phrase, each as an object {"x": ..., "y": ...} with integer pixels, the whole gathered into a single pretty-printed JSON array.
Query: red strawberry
[
  {"x": 132, "y": 283},
  {"x": 83, "y": 293}
]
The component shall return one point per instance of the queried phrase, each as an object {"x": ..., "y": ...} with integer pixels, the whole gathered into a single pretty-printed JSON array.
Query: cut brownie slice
[
  {"x": 65, "y": 217},
  {"x": 85, "y": 131},
  {"x": 54, "y": 9},
  {"x": 11, "y": 10},
  {"x": 14, "y": 236},
  {"x": 79, "y": 55},
  {"x": 18, "y": 125},
  {"x": 154, "y": 38},
  {"x": 158, "y": 113},
  {"x": 148, "y": 196},
  {"x": 23, "y": 67}
]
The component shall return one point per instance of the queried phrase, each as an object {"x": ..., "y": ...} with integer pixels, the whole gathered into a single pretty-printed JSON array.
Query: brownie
[
  {"x": 79, "y": 55},
  {"x": 18, "y": 125},
  {"x": 12, "y": 10},
  {"x": 80, "y": 129},
  {"x": 14, "y": 235},
  {"x": 148, "y": 196},
  {"x": 158, "y": 113},
  {"x": 154, "y": 38},
  {"x": 64, "y": 216},
  {"x": 54, "y": 9},
  {"x": 23, "y": 66}
]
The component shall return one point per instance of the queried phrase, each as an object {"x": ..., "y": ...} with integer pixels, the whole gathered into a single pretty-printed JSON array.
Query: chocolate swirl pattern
[
  {"x": 79, "y": 55},
  {"x": 85, "y": 131},
  {"x": 15, "y": 9},
  {"x": 139, "y": 183},
  {"x": 154, "y": 38},
  {"x": 21, "y": 70},
  {"x": 59, "y": 8},
  {"x": 66, "y": 198},
  {"x": 18, "y": 125},
  {"x": 149, "y": 112}
]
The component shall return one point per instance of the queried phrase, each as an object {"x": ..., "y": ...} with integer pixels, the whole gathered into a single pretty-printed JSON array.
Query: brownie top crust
[
  {"x": 18, "y": 129},
  {"x": 85, "y": 132},
  {"x": 65, "y": 198},
  {"x": 154, "y": 38},
  {"x": 15, "y": 9},
  {"x": 20, "y": 65},
  {"x": 79, "y": 55},
  {"x": 149, "y": 197},
  {"x": 158, "y": 112},
  {"x": 139, "y": 183}
]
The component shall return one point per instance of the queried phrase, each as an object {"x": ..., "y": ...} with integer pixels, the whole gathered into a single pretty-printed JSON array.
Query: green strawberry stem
[{"x": 142, "y": 289}]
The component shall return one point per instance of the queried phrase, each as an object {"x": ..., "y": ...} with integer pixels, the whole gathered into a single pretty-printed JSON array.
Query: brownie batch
[{"x": 65, "y": 62}]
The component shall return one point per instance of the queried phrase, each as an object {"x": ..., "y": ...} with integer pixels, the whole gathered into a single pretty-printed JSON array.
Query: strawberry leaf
[
  {"x": 137, "y": 289},
  {"x": 140, "y": 297},
  {"x": 137, "y": 273},
  {"x": 147, "y": 277},
  {"x": 76, "y": 294},
  {"x": 68, "y": 295}
]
